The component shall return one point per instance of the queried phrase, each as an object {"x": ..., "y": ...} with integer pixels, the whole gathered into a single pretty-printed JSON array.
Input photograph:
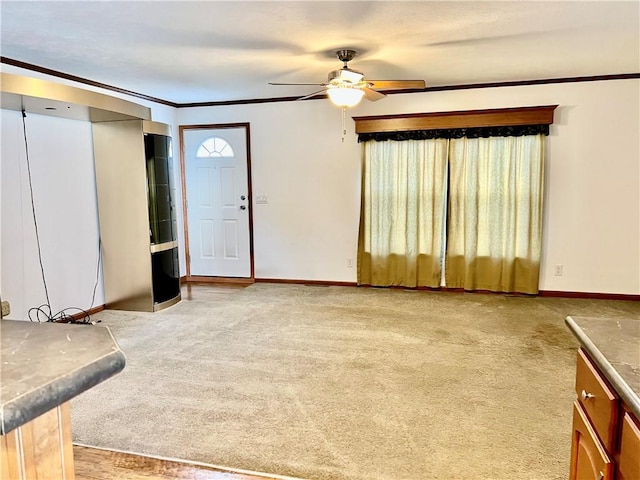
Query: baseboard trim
[
  {"x": 541, "y": 293},
  {"x": 595, "y": 296},
  {"x": 322, "y": 283},
  {"x": 92, "y": 311},
  {"x": 202, "y": 279}
]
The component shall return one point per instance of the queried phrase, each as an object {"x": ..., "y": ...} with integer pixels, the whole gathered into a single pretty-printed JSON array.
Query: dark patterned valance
[{"x": 475, "y": 132}]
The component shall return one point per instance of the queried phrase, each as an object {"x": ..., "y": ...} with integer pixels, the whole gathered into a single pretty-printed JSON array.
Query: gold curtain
[
  {"x": 495, "y": 213},
  {"x": 402, "y": 213}
]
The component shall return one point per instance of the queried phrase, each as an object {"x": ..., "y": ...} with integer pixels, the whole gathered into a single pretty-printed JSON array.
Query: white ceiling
[{"x": 199, "y": 51}]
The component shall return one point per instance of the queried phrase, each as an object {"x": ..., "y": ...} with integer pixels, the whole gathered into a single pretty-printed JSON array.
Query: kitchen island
[
  {"x": 43, "y": 366},
  {"x": 606, "y": 413}
]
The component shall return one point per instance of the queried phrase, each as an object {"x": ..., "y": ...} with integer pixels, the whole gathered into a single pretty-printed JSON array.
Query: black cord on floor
[
  {"x": 95, "y": 285},
  {"x": 43, "y": 312},
  {"x": 33, "y": 206}
]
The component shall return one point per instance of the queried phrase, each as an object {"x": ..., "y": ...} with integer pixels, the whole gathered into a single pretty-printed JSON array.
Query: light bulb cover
[{"x": 345, "y": 96}]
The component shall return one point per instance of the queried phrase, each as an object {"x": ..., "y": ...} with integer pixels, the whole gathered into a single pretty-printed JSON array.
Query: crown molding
[{"x": 468, "y": 86}]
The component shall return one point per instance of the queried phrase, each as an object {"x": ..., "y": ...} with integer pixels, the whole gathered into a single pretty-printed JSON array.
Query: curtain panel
[
  {"x": 495, "y": 213},
  {"x": 403, "y": 213},
  {"x": 481, "y": 197}
]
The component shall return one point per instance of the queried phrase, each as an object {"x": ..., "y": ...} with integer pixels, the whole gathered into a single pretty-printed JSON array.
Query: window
[
  {"x": 215, "y": 147},
  {"x": 459, "y": 190}
]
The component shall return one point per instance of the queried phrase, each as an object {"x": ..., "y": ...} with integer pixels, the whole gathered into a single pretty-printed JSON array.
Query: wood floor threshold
[
  {"x": 218, "y": 280},
  {"x": 95, "y": 463}
]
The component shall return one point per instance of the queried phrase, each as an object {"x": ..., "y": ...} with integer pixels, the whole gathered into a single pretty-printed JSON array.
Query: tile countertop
[
  {"x": 614, "y": 346},
  {"x": 45, "y": 364}
]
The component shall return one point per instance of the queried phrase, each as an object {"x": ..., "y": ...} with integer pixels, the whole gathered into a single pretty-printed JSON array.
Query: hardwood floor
[
  {"x": 192, "y": 290},
  {"x": 98, "y": 464}
]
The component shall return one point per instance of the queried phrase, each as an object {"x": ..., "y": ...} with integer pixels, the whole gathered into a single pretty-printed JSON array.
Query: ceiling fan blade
[
  {"x": 396, "y": 84},
  {"x": 372, "y": 95},
  {"x": 312, "y": 94},
  {"x": 317, "y": 84}
]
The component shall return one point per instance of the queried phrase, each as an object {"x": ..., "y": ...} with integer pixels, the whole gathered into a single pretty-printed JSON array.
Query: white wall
[
  {"x": 64, "y": 191},
  {"x": 312, "y": 179},
  {"x": 592, "y": 210}
]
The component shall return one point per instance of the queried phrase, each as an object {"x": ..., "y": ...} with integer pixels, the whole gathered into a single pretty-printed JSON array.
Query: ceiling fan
[{"x": 346, "y": 87}]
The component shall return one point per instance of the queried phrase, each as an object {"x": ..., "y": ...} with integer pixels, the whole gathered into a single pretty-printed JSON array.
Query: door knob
[
  {"x": 242, "y": 197},
  {"x": 584, "y": 395},
  {"x": 242, "y": 207}
]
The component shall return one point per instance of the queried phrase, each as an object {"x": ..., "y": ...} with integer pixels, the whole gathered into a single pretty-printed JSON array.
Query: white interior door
[{"x": 217, "y": 193}]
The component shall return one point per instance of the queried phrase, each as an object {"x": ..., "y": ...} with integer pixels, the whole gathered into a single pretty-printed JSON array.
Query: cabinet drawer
[
  {"x": 589, "y": 461},
  {"x": 598, "y": 401},
  {"x": 629, "y": 462}
]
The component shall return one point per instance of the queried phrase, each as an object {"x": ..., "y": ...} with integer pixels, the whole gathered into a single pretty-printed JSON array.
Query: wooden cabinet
[
  {"x": 597, "y": 400},
  {"x": 40, "y": 449},
  {"x": 137, "y": 215},
  {"x": 44, "y": 366},
  {"x": 589, "y": 460},
  {"x": 606, "y": 437},
  {"x": 629, "y": 462}
]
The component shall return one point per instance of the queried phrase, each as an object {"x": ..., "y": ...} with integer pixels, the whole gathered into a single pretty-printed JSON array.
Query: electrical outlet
[
  {"x": 558, "y": 270},
  {"x": 349, "y": 262}
]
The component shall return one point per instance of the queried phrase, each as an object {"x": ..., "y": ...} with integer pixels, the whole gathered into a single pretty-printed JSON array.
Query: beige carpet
[{"x": 347, "y": 383}]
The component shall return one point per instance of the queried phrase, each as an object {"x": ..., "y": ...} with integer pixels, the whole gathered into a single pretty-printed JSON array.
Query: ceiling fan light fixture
[
  {"x": 347, "y": 87},
  {"x": 345, "y": 96}
]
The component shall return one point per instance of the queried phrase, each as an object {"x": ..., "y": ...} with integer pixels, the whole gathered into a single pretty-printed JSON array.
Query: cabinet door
[
  {"x": 589, "y": 461},
  {"x": 597, "y": 400},
  {"x": 629, "y": 462}
]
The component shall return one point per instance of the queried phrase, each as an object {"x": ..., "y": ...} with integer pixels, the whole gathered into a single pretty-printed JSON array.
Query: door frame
[{"x": 185, "y": 217}]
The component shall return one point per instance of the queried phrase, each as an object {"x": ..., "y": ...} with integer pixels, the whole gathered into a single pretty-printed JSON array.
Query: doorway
[{"x": 216, "y": 187}]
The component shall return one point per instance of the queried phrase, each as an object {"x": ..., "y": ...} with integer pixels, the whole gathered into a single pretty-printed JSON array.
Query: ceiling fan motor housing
[
  {"x": 345, "y": 76},
  {"x": 346, "y": 55}
]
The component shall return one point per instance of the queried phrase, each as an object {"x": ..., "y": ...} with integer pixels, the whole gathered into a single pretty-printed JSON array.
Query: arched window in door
[{"x": 215, "y": 147}]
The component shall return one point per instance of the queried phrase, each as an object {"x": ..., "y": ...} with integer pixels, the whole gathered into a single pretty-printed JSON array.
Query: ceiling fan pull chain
[{"x": 344, "y": 122}]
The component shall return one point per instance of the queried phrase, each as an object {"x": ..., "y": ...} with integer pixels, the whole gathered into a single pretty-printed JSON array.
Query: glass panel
[
  {"x": 166, "y": 275},
  {"x": 165, "y": 231},
  {"x": 163, "y": 202},
  {"x": 161, "y": 205},
  {"x": 149, "y": 149},
  {"x": 215, "y": 147}
]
